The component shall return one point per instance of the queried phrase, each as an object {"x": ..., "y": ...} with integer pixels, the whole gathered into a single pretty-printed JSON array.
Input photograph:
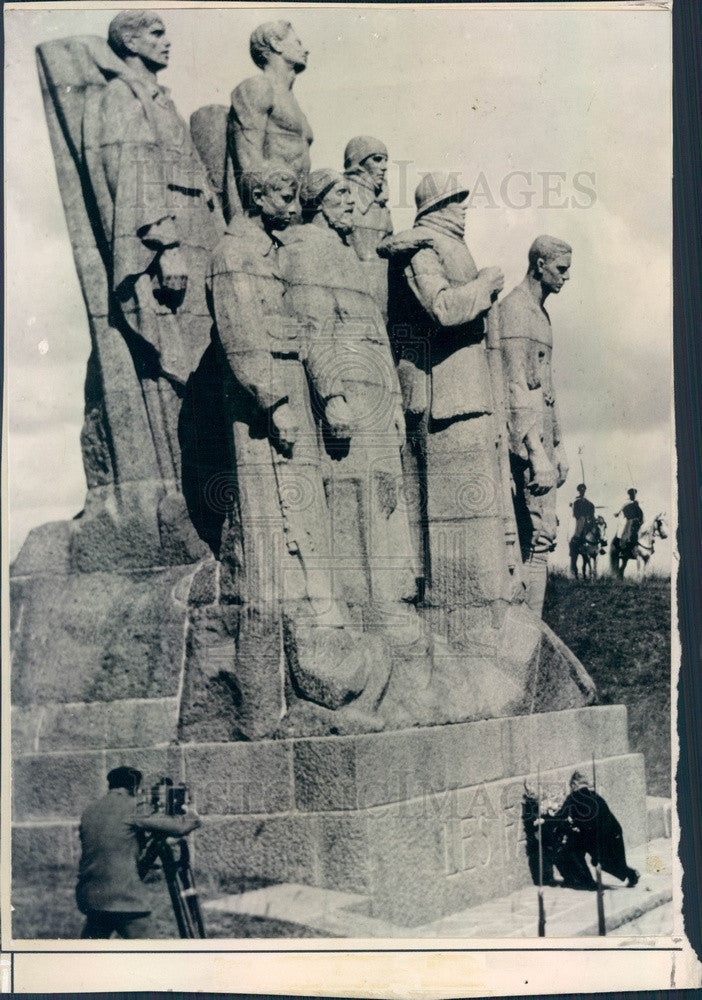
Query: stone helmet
[
  {"x": 437, "y": 187},
  {"x": 360, "y": 148}
]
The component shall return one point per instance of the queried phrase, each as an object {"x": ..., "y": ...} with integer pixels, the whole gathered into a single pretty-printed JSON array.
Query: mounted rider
[
  {"x": 634, "y": 518},
  {"x": 583, "y": 512}
]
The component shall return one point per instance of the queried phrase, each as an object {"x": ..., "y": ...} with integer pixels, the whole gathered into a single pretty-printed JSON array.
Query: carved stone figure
[
  {"x": 266, "y": 123},
  {"x": 276, "y": 551},
  {"x": 352, "y": 371},
  {"x": 539, "y": 463},
  {"x": 365, "y": 167},
  {"x": 439, "y": 308},
  {"x": 142, "y": 222}
]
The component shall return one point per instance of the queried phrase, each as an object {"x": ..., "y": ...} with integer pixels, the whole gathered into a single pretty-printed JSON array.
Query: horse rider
[
  {"x": 634, "y": 518},
  {"x": 583, "y": 512}
]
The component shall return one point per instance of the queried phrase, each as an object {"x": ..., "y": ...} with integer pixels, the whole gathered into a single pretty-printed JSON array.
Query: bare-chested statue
[
  {"x": 265, "y": 121},
  {"x": 276, "y": 548},
  {"x": 142, "y": 221},
  {"x": 538, "y": 459}
]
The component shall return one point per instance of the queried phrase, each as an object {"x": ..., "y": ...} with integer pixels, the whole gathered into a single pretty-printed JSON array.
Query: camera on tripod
[{"x": 169, "y": 799}]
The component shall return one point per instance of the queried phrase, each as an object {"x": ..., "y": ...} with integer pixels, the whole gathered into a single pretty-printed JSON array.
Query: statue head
[
  {"x": 277, "y": 38},
  {"x": 140, "y": 33},
  {"x": 271, "y": 194},
  {"x": 441, "y": 192},
  {"x": 365, "y": 154},
  {"x": 549, "y": 263},
  {"x": 327, "y": 200}
]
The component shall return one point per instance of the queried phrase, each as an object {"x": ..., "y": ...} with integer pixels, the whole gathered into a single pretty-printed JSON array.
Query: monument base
[{"x": 423, "y": 822}]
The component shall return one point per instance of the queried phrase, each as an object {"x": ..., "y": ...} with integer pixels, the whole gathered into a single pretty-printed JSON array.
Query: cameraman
[{"x": 113, "y": 834}]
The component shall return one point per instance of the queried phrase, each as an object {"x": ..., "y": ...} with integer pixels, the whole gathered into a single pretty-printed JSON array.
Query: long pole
[
  {"x": 539, "y": 820},
  {"x": 601, "y": 925}
]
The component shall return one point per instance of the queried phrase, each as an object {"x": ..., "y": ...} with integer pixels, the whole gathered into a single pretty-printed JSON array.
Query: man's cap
[
  {"x": 581, "y": 486},
  {"x": 124, "y": 777},
  {"x": 437, "y": 187},
  {"x": 578, "y": 778},
  {"x": 632, "y": 492},
  {"x": 360, "y": 148},
  {"x": 318, "y": 185}
]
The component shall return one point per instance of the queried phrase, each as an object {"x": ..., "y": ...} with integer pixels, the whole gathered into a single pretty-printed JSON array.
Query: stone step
[
  {"x": 658, "y": 817},
  {"x": 569, "y": 912}
]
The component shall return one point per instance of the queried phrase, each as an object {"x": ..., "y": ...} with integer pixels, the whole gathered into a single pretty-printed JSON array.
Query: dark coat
[
  {"x": 596, "y": 830},
  {"x": 112, "y": 836}
]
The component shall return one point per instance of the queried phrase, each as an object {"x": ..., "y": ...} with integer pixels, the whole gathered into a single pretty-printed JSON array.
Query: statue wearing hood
[{"x": 142, "y": 220}]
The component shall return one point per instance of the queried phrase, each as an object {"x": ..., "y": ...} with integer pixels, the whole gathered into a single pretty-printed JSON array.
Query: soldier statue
[
  {"x": 352, "y": 371},
  {"x": 453, "y": 423},
  {"x": 276, "y": 551},
  {"x": 539, "y": 463}
]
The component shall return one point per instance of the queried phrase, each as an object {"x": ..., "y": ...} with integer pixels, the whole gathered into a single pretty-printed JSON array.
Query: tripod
[{"x": 179, "y": 879}]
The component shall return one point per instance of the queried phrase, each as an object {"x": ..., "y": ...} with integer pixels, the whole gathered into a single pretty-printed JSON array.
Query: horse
[
  {"x": 641, "y": 550},
  {"x": 588, "y": 546}
]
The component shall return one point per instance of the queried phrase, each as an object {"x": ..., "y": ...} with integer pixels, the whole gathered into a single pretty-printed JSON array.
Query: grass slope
[{"x": 620, "y": 631}]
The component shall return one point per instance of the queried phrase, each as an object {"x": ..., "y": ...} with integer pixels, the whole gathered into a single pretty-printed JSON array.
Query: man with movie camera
[{"x": 113, "y": 834}]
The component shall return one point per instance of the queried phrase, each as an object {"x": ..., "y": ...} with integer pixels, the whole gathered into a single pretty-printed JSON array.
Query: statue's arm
[
  {"x": 525, "y": 403},
  {"x": 525, "y": 416},
  {"x": 560, "y": 452},
  {"x": 314, "y": 308},
  {"x": 252, "y": 104},
  {"x": 133, "y": 163},
  {"x": 447, "y": 305},
  {"x": 235, "y": 299}
]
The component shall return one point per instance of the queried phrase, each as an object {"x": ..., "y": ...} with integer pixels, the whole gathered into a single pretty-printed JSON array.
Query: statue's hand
[
  {"x": 173, "y": 276},
  {"x": 543, "y": 476},
  {"x": 493, "y": 278},
  {"x": 398, "y": 421},
  {"x": 285, "y": 427},
  {"x": 338, "y": 417},
  {"x": 561, "y": 466}
]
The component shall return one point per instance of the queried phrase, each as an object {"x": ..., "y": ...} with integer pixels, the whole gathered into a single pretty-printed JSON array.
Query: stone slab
[
  {"x": 659, "y": 813},
  {"x": 569, "y": 912},
  {"x": 353, "y": 772},
  {"x": 96, "y": 637},
  {"x": 96, "y": 725},
  {"x": 438, "y": 854},
  {"x": 56, "y": 786},
  {"x": 240, "y": 778}
]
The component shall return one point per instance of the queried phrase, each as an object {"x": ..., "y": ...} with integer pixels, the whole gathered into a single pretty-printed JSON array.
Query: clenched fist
[
  {"x": 338, "y": 417},
  {"x": 494, "y": 279}
]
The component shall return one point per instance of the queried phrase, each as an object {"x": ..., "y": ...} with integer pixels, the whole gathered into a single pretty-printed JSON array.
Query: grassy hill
[{"x": 620, "y": 631}]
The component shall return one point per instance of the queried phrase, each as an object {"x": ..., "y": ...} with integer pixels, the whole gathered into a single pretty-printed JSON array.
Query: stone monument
[
  {"x": 264, "y": 122},
  {"x": 259, "y": 660},
  {"x": 538, "y": 459},
  {"x": 277, "y": 552},
  {"x": 142, "y": 222}
]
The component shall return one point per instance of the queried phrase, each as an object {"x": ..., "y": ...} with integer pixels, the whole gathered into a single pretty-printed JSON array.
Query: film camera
[
  {"x": 168, "y": 798},
  {"x": 171, "y": 800}
]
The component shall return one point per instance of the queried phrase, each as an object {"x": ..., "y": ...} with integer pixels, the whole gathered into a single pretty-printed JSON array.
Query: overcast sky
[{"x": 584, "y": 94}]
